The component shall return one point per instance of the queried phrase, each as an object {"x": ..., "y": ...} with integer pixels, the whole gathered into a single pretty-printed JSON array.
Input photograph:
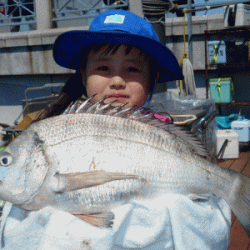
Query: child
[
  {"x": 121, "y": 47},
  {"x": 120, "y": 58}
]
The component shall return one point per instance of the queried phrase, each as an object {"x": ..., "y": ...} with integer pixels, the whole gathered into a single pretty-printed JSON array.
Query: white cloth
[{"x": 167, "y": 222}]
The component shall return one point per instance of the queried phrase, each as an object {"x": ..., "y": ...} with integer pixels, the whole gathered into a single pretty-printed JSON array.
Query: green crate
[{"x": 221, "y": 89}]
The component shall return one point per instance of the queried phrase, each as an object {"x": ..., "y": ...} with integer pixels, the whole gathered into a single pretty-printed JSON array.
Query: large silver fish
[{"x": 88, "y": 163}]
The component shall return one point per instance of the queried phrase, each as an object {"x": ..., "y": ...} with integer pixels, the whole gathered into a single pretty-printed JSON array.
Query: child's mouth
[{"x": 118, "y": 97}]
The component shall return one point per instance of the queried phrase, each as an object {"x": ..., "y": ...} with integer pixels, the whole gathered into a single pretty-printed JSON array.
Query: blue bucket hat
[{"x": 120, "y": 27}]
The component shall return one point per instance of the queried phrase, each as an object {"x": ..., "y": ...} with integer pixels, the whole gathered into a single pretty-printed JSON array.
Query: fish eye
[{"x": 6, "y": 160}]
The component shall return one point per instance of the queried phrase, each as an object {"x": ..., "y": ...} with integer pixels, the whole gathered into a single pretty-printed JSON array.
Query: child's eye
[
  {"x": 133, "y": 69},
  {"x": 103, "y": 68}
]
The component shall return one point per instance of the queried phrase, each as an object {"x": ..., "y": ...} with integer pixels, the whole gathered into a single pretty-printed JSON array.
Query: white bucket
[{"x": 242, "y": 128}]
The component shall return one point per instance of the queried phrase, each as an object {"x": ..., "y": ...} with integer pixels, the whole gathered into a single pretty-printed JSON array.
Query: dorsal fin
[{"x": 141, "y": 115}]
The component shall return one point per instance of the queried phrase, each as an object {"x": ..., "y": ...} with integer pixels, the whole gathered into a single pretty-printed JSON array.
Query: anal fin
[{"x": 102, "y": 219}]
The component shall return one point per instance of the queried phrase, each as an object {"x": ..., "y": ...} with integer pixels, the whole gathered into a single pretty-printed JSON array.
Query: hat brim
[{"x": 70, "y": 45}]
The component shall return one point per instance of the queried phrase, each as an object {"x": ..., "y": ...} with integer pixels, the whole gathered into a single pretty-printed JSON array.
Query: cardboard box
[
  {"x": 221, "y": 90},
  {"x": 232, "y": 144}
]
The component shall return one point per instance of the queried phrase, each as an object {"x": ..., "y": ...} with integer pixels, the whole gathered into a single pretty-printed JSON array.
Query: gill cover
[
  {"x": 36, "y": 165},
  {"x": 23, "y": 167}
]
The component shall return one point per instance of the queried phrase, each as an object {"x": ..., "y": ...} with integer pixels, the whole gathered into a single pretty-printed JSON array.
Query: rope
[
  {"x": 218, "y": 87},
  {"x": 157, "y": 7},
  {"x": 214, "y": 58},
  {"x": 184, "y": 56},
  {"x": 184, "y": 37}
]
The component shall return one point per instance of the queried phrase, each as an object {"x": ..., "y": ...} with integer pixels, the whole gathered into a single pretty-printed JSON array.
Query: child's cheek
[{"x": 95, "y": 84}]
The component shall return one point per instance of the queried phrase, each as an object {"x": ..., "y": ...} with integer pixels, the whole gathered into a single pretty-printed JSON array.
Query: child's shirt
[{"x": 169, "y": 221}]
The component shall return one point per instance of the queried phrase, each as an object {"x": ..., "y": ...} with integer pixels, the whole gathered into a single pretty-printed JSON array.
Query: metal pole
[
  {"x": 219, "y": 3},
  {"x": 43, "y": 14},
  {"x": 190, "y": 45},
  {"x": 206, "y": 65},
  {"x": 136, "y": 8}
]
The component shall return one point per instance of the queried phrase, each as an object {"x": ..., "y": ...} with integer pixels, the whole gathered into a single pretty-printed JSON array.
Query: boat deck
[{"x": 239, "y": 238}]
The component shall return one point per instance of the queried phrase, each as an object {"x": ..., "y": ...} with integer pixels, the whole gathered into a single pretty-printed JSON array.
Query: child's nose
[{"x": 117, "y": 82}]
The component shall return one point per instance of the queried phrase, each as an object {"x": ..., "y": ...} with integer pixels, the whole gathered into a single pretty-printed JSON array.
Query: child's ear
[
  {"x": 83, "y": 73},
  {"x": 157, "y": 78}
]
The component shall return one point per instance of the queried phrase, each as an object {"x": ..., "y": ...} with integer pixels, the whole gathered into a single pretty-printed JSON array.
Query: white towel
[{"x": 167, "y": 222}]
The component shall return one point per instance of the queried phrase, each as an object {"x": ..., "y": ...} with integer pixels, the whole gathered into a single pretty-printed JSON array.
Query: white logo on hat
[{"x": 115, "y": 19}]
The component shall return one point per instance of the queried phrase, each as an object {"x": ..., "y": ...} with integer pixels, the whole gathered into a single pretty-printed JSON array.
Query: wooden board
[{"x": 239, "y": 238}]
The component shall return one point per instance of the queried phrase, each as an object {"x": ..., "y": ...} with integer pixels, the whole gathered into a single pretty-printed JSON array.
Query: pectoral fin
[
  {"x": 103, "y": 219},
  {"x": 80, "y": 180}
]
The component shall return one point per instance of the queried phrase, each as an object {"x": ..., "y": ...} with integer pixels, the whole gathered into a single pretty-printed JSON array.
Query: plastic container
[
  {"x": 242, "y": 128},
  {"x": 243, "y": 15},
  {"x": 217, "y": 52},
  {"x": 232, "y": 147},
  {"x": 221, "y": 90},
  {"x": 240, "y": 17},
  {"x": 224, "y": 122}
]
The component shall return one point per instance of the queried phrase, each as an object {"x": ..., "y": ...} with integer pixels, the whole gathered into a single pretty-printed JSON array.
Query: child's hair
[{"x": 74, "y": 88}]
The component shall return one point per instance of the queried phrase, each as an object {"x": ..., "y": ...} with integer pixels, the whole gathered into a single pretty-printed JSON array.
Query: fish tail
[{"x": 239, "y": 200}]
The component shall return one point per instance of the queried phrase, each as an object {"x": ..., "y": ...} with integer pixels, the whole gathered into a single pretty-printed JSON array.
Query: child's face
[{"x": 119, "y": 76}]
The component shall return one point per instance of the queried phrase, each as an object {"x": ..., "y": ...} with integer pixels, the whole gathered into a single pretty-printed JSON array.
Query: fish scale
[
  {"x": 137, "y": 137},
  {"x": 91, "y": 163}
]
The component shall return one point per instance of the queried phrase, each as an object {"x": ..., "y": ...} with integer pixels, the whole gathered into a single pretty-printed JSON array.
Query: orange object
[{"x": 28, "y": 119}]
